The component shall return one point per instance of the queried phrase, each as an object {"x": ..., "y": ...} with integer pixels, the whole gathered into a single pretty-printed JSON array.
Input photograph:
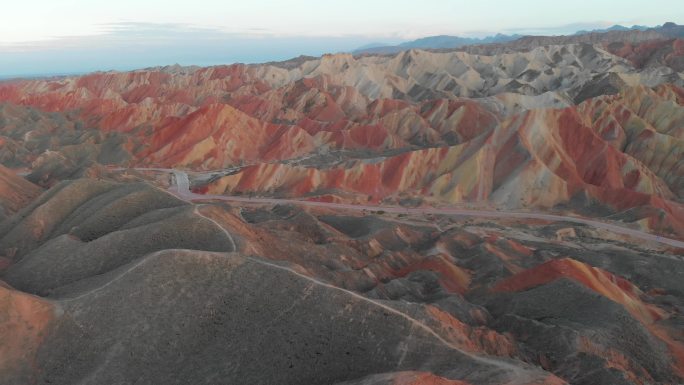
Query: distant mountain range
[
  {"x": 436, "y": 42},
  {"x": 667, "y": 30},
  {"x": 616, "y": 27}
]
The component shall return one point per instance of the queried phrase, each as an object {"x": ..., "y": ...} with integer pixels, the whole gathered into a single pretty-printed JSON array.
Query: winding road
[{"x": 181, "y": 188}]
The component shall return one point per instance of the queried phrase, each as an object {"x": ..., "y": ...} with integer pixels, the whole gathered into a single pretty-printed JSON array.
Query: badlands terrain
[{"x": 502, "y": 214}]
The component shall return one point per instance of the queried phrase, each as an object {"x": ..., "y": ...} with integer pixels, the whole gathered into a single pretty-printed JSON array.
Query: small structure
[{"x": 566, "y": 233}]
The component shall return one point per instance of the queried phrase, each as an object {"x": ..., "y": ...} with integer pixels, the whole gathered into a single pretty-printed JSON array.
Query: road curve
[{"x": 182, "y": 190}]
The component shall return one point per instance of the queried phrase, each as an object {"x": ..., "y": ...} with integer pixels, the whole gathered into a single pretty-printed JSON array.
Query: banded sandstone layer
[{"x": 565, "y": 127}]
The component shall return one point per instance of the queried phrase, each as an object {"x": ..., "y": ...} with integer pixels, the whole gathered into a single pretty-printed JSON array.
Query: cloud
[
  {"x": 128, "y": 33},
  {"x": 135, "y": 34},
  {"x": 126, "y": 46}
]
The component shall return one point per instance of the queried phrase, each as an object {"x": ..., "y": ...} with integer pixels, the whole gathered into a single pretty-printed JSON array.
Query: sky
[{"x": 42, "y": 37}]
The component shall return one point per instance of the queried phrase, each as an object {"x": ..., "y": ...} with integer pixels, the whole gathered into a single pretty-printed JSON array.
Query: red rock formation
[
  {"x": 420, "y": 378},
  {"x": 472, "y": 339},
  {"x": 452, "y": 277},
  {"x": 611, "y": 286},
  {"x": 15, "y": 191},
  {"x": 23, "y": 324},
  {"x": 651, "y": 53},
  {"x": 539, "y": 158},
  {"x": 616, "y": 151}
]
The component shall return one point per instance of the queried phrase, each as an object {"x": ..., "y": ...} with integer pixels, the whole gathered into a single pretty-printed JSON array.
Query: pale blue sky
[{"x": 52, "y": 36}]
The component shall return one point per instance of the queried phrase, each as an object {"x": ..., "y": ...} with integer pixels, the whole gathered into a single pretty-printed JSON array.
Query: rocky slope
[
  {"x": 106, "y": 276},
  {"x": 15, "y": 192}
]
